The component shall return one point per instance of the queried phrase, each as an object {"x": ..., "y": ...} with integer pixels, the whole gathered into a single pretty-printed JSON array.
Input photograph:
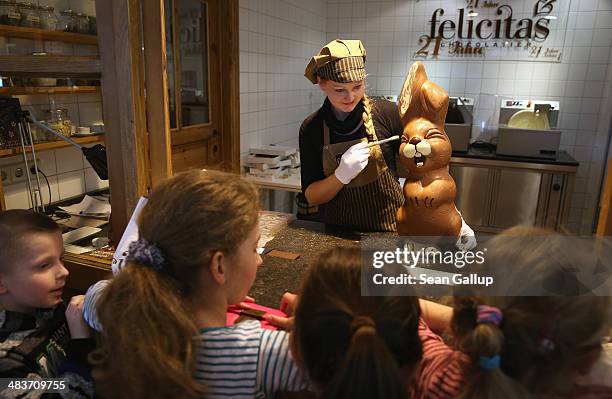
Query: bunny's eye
[{"x": 434, "y": 134}]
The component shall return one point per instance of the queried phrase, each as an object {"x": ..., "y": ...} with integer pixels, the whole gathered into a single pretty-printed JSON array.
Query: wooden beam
[
  {"x": 49, "y": 35},
  {"x": 51, "y": 145},
  {"x": 604, "y": 224},
  {"x": 50, "y": 65},
  {"x": 14, "y": 91},
  {"x": 120, "y": 46},
  {"x": 230, "y": 84},
  {"x": 158, "y": 117}
]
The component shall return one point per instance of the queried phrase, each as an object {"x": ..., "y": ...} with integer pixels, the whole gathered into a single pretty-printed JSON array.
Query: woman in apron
[{"x": 353, "y": 183}]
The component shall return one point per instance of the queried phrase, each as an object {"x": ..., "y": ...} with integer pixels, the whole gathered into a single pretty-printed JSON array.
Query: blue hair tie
[
  {"x": 489, "y": 363},
  {"x": 146, "y": 253}
]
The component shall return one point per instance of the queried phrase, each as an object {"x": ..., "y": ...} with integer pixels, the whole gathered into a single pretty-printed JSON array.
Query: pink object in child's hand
[{"x": 259, "y": 311}]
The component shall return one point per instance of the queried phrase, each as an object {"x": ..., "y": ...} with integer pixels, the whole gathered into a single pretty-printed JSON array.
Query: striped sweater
[
  {"x": 237, "y": 361},
  {"x": 441, "y": 372},
  {"x": 246, "y": 361}
]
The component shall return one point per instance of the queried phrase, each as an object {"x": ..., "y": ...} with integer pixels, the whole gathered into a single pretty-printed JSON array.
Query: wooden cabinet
[{"x": 22, "y": 66}]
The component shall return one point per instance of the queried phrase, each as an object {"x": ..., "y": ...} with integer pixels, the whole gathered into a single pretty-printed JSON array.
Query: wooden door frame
[
  {"x": 184, "y": 135},
  {"x": 138, "y": 158},
  {"x": 225, "y": 16},
  {"x": 604, "y": 224},
  {"x": 230, "y": 84},
  {"x": 158, "y": 115}
]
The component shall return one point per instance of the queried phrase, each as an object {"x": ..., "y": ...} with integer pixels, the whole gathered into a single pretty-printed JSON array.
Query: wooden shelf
[
  {"x": 49, "y": 90},
  {"x": 50, "y": 65},
  {"x": 51, "y": 145},
  {"x": 52, "y": 35}
]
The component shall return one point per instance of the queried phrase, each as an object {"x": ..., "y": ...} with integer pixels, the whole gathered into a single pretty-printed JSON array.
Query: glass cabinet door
[{"x": 193, "y": 83}]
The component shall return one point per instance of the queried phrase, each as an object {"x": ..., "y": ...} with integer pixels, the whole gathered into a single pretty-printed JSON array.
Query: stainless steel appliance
[
  {"x": 458, "y": 123},
  {"x": 536, "y": 143}
]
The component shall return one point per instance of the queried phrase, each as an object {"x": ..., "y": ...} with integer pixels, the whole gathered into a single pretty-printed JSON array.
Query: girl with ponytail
[
  {"x": 523, "y": 345},
  {"x": 354, "y": 346},
  {"x": 163, "y": 316}
]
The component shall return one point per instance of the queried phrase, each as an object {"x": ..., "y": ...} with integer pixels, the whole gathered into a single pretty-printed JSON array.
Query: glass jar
[
  {"x": 5, "y": 81},
  {"x": 48, "y": 19},
  {"x": 68, "y": 21},
  {"x": 82, "y": 23},
  {"x": 30, "y": 15},
  {"x": 60, "y": 121},
  {"x": 9, "y": 13},
  {"x": 39, "y": 135},
  {"x": 93, "y": 25}
]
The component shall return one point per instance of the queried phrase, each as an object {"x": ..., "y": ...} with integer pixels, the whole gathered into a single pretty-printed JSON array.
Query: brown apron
[{"x": 370, "y": 201}]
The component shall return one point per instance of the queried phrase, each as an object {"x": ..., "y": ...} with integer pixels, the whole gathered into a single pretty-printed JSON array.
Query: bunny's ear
[
  {"x": 434, "y": 102},
  {"x": 408, "y": 98}
]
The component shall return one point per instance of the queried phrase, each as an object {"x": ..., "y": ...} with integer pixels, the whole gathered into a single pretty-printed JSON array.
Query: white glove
[
  {"x": 353, "y": 161},
  {"x": 467, "y": 237}
]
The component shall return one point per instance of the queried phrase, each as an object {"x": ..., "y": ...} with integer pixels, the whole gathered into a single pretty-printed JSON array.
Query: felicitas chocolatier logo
[{"x": 469, "y": 34}]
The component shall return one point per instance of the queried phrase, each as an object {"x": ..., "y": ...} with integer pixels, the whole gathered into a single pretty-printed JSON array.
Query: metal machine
[
  {"x": 458, "y": 124},
  {"x": 528, "y": 142}
]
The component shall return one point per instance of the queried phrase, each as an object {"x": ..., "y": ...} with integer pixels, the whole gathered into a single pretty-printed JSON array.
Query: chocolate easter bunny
[{"x": 429, "y": 207}]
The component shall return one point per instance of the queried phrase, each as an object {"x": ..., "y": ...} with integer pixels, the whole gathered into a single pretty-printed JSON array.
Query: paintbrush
[{"x": 373, "y": 143}]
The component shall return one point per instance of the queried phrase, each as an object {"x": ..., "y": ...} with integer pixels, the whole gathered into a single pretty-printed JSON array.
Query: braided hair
[
  {"x": 369, "y": 125},
  {"x": 367, "y": 118}
]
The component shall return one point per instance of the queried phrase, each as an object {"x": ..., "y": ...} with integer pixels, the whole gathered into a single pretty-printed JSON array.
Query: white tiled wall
[
  {"x": 277, "y": 39},
  {"x": 68, "y": 172},
  {"x": 582, "y": 82}
]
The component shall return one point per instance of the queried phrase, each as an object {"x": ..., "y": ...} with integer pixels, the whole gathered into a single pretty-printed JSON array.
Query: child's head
[
  {"x": 353, "y": 345},
  {"x": 205, "y": 224},
  {"x": 205, "y": 218},
  {"x": 535, "y": 344},
  {"x": 32, "y": 274}
]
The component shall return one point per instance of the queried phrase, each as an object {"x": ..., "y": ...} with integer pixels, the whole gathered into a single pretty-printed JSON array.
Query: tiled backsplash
[
  {"x": 68, "y": 172},
  {"x": 84, "y": 109},
  {"x": 69, "y": 175}
]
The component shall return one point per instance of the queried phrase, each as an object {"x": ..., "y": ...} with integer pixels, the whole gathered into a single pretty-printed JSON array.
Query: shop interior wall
[
  {"x": 68, "y": 173},
  {"x": 581, "y": 82},
  {"x": 277, "y": 38}
]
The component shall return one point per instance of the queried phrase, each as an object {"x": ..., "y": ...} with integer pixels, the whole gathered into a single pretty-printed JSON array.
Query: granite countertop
[
  {"x": 562, "y": 157},
  {"x": 307, "y": 239}
]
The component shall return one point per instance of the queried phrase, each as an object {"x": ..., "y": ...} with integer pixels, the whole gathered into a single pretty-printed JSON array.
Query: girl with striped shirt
[{"x": 163, "y": 317}]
